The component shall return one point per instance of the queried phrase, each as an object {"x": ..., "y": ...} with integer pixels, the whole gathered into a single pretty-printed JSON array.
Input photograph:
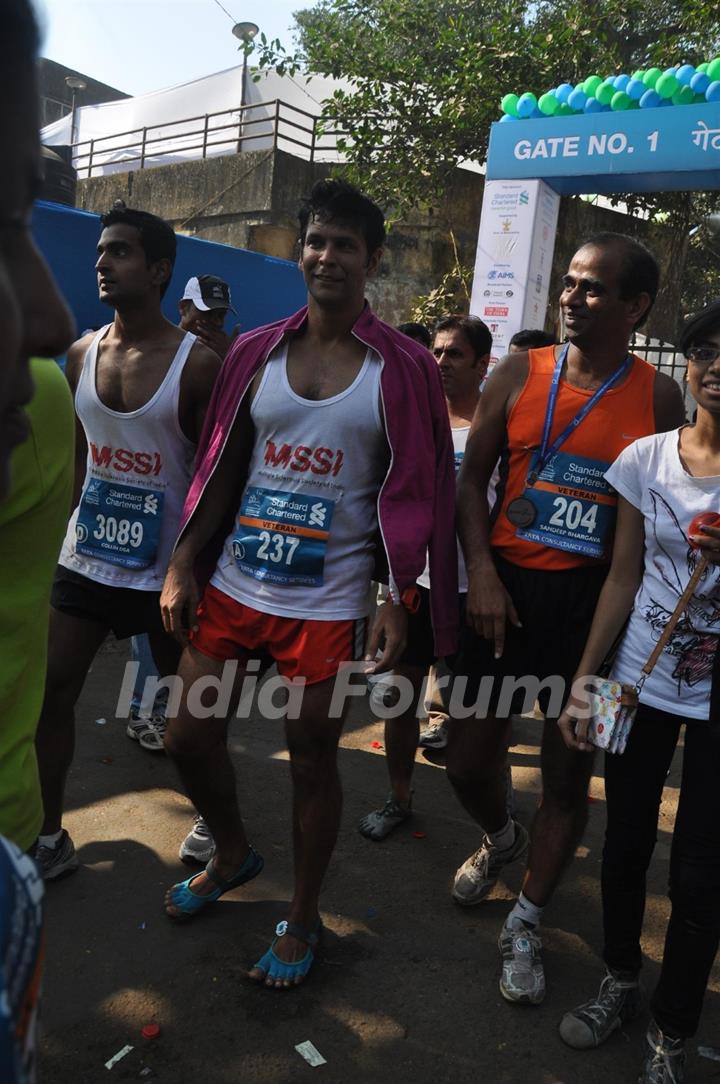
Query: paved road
[{"x": 407, "y": 990}]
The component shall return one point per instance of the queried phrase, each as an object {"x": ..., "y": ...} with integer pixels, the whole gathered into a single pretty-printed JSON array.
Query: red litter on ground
[
  {"x": 420, "y": 835},
  {"x": 376, "y": 744},
  {"x": 151, "y": 1031}
]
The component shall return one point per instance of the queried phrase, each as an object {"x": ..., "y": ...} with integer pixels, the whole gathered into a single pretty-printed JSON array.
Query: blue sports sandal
[
  {"x": 275, "y": 968},
  {"x": 189, "y": 903}
]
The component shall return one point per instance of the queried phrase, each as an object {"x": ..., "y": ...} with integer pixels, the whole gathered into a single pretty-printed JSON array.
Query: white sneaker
[
  {"x": 523, "y": 978},
  {"x": 149, "y": 732},
  {"x": 434, "y": 737},
  {"x": 198, "y": 845},
  {"x": 477, "y": 876}
]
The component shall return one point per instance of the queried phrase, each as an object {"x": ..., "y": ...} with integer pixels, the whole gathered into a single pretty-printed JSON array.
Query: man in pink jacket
[{"x": 326, "y": 453}]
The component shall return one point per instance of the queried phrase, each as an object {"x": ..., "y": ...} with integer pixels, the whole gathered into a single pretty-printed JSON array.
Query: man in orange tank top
[{"x": 557, "y": 417}]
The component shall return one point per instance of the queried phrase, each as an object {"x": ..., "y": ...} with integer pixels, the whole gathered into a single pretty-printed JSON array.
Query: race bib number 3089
[
  {"x": 119, "y": 524},
  {"x": 282, "y": 537}
]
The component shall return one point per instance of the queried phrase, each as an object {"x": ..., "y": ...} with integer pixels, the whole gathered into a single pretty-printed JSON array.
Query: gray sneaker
[
  {"x": 149, "y": 732},
  {"x": 434, "y": 737},
  {"x": 618, "y": 1000},
  {"x": 478, "y": 875},
  {"x": 381, "y": 822},
  {"x": 198, "y": 845},
  {"x": 665, "y": 1061},
  {"x": 58, "y": 861},
  {"x": 523, "y": 978}
]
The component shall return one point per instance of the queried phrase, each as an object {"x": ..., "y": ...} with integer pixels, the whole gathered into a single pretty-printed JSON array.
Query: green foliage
[{"x": 427, "y": 76}]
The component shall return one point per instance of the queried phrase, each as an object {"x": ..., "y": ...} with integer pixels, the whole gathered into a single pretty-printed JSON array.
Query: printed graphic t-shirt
[{"x": 650, "y": 475}]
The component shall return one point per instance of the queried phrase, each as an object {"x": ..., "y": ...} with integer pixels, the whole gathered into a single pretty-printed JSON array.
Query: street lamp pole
[
  {"x": 75, "y": 84},
  {"x": 245, "y": 33}
]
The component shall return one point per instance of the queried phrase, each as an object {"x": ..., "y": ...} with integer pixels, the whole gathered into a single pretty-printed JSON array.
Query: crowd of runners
[{"x": 234, "y": 503}]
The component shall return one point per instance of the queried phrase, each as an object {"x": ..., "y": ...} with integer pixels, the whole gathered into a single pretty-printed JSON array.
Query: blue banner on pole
[{"x": 642, "y": 150}]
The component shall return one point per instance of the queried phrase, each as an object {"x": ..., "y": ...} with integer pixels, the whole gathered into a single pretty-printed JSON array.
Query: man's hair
[
  {"x": 156, "y": 235},
  {"x": 475, "y": 331},
  {"x": 333, "y": 200},
  {"x": 531, "y": 339},
  {"x": 639, "y": 271},
  {"x": 416, "y": 331},
  {"x": 19, "y": 38},
  {"x": 700, "y": 326}
]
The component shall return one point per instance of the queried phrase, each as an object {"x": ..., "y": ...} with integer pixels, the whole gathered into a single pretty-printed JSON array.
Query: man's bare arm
[
  {"x": 180, "y": 598},
  {"x": 73, "y": 369},
  {"x": 489, "y": 606},
  {"x": 198, "y": 381}
]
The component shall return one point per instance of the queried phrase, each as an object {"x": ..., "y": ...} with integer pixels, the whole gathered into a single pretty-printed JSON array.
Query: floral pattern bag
[{"x": 613, "y": 705}]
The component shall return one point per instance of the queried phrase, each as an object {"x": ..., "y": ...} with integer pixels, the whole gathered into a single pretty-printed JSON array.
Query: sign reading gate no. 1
[{"x": 530, "y": 162}]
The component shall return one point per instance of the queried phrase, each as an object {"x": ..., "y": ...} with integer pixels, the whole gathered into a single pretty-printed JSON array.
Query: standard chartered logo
[
  {"x": 317, "y": 515},
  {"x": 150, "y": 504}
]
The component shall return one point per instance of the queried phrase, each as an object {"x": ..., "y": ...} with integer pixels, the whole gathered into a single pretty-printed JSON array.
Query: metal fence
[
  {"x": 667, "y": 359},
  {"x": 272, "y": 125}
]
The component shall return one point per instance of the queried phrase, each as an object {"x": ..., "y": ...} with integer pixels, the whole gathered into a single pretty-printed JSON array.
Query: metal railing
[
  {"x": 271, "y": 125},
  {"x": 667, "y": 359}
]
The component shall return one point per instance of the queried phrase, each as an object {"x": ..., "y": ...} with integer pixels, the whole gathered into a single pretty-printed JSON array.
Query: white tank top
[
  {"x": 303, "y": 540},
  {"x": 139, "y": 466}
]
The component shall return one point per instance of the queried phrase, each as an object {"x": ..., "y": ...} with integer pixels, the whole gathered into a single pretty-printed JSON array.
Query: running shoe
[
  {"x": 479, "y": 874},
  {"x": 434, "y": 737},
  {"x": 149, "y": 732},
  {"x": 523, "y": 978},
  {"x": 665, "y": 1061},
  {"x": 58, "y": 861},
  {"x": 619, "y": 1000},
  {"x": 198, "y": 845},
  {"x": 381, "y": 822}
]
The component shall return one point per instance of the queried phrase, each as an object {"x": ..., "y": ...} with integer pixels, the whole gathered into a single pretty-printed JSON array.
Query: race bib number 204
[
  {"x": 574, "y": 506},
  {"x": 282, "y": 537}
]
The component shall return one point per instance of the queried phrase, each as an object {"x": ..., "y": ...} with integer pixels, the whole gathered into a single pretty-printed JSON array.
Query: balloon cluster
[{"x": 681, "y": 85}]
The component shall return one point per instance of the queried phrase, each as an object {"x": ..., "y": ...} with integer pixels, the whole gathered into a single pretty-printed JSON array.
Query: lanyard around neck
[{"x": 546, "y": 453}]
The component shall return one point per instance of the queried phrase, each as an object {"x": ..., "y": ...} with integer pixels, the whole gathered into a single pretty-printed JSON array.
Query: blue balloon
[
  {"x": 592, "y": 105},
  {"x": 664, "y": 102},
  {"x": 700, "y": 82},
  {"x": 537, "y": 113},
  {"x": 506, "y": 117},
  {"x": 650, "y": 100},
  {"x": 564, "y": 91},
  {"x": 712, "y": 94},
  {"x": 684, "y": 74},
  {"x": 577, "y": 99},
  {"x": 621, "y": 82},
  {"x": 635, "y": 89},
  {"x": 526, "y": 104}
]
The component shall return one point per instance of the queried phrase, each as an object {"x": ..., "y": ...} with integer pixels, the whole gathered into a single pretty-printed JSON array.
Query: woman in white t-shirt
[{"x": 663, "y": 482}]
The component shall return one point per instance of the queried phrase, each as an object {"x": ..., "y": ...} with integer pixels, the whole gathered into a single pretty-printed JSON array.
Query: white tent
[{"x": 199, "y": 119}]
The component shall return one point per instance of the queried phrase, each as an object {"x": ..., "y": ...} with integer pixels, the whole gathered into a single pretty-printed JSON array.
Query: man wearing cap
[{"x": 203, "y": 308}]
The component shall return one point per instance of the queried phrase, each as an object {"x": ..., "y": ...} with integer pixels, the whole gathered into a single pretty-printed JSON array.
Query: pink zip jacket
[{"x": 416, "y": 503}]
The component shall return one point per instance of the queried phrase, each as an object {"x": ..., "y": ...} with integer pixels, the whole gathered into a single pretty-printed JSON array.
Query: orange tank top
[{"x": 571, "y": 507}]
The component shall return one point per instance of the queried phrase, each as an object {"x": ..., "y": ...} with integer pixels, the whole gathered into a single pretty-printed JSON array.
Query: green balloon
[
  {"x": 509, "y": 105},
  {"x": 604, "y": 93},
  {"x": 713, "y": 69},
  {"x": 548, "y": 104},
  {"x": 620, "y": 101},
  {"x": 639, "y": 74},
  {"x": 703, "y": 67},
  {"x": 666, "y": 85},
  {"x": 651, "y": 77},
  {"x": 565, "y": 110},
  {"x": 684, "y": 96},
  {"x": 591, "y": 84}
]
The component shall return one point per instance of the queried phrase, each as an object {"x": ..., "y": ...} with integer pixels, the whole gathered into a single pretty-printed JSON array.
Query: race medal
[{"x": 521, "y": 512}]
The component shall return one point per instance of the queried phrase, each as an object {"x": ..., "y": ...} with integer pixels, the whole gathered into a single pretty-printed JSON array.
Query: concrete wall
[{"x": 251, "y": 200}]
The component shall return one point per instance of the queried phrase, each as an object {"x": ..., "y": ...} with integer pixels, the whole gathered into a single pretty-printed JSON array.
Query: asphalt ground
[{"x": 406, "y": 984}]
